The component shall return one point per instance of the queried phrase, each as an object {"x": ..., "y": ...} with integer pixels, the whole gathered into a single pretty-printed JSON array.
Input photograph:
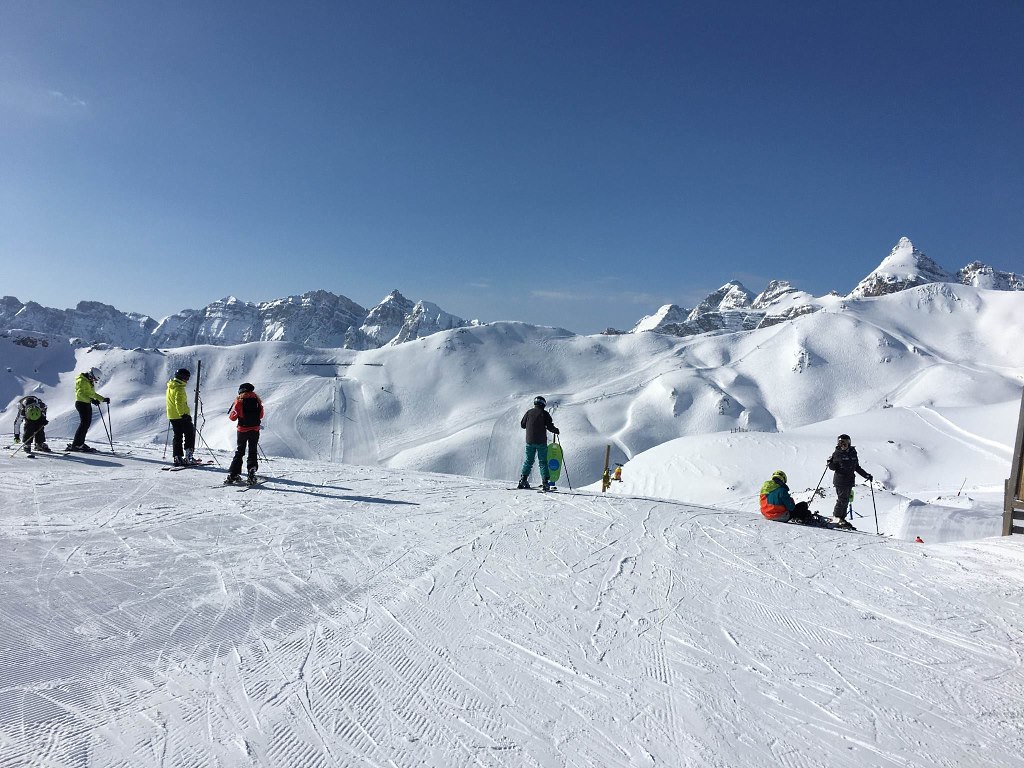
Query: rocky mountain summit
[
  {"x": 323, "y": 319},
  {"x": 317, "y": 318},
  {"x": 733, "y": 308}
]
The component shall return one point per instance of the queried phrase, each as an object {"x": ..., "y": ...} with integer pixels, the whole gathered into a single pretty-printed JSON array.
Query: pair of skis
[{"x": 179, "y": 467}]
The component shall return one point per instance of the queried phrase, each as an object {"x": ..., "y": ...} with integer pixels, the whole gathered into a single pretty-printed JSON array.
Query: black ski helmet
[
  {"x": 183, "y": 373},
  {"x": 247, "y": 387},
  {"x": 539, "y": 401}
]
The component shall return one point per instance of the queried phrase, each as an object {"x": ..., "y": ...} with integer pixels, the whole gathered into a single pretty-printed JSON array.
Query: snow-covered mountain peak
[
  {"x": 730, "y": 297},
  {"x": 904, "y": 267},
  {"x": 668, "y": 314}
]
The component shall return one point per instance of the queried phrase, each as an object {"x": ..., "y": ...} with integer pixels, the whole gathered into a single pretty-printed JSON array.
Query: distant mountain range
[
  {"x": 733, "y": 308},
  {"x": 323, "y": 319},
  {"x": 317, "y": 318}
]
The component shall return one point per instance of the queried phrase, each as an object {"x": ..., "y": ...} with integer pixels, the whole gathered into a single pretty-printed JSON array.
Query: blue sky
[{"x": 563, "y": 163}]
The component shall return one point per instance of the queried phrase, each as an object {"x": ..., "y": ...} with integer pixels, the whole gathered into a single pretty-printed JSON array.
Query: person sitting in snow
[
  {"x": 844, "y": 463},
  {"x": 32, "y": 410},
  {"x": 537, "y": 423},
  {"x": 248, "y": 412},
  {"x": 778, "y": 505}
]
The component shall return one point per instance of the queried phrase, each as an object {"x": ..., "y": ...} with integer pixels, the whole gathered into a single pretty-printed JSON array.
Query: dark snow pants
[
  {"x": 250, "y": 441},
  {"x": 34, "y": 431},
  {"x": 842, "y": 501},
  {"x": 184, "y": 432},
  {"x": 85, "y": 421}
]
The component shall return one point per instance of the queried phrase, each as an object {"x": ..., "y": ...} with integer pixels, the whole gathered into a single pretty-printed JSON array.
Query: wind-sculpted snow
[
  {"x": 342, "y": 615},
  {"x": 452, "y": 401}
]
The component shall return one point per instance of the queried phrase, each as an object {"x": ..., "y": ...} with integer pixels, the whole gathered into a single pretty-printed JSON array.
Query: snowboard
[{"x": 554, "y": 462}]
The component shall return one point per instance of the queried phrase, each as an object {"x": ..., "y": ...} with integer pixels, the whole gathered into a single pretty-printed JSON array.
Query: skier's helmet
[
  {"x": 183, "y": 374},
  {"x": 247, "y": 387},
  {"x": 33, "y": 409},
  {"x": 843, "y": 438},
  {"x": 93, "y": 375},
  {"x": 539, "y": 401},
  {"x": 780, "y": 476}
]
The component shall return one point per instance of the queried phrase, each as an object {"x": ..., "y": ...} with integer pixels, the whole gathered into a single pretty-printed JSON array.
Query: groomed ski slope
[{"x": 345, "y": 615}]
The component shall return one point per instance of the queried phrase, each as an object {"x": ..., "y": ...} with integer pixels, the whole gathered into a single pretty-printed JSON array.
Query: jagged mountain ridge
[
  {"x": 733, "y": 308},
  {"x": 323, "y": 319},
  {"x": 317, "y": 318}
]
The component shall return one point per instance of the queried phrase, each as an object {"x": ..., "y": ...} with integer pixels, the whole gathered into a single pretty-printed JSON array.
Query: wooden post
[
  {"x": 1013, "y": 493},
  {"x": 606, "y": 478}
]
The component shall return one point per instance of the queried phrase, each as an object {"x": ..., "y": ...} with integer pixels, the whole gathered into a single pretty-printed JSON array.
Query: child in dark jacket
[{"x": 248, "y": 412}]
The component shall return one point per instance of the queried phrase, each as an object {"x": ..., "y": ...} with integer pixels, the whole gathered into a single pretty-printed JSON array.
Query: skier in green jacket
[
  {"x": 85, "y": 397},
  {"x": 180, "y": 416}
]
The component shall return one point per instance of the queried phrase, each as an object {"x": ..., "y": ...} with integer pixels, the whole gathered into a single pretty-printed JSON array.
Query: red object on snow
[{"x": 919, "y": 540}]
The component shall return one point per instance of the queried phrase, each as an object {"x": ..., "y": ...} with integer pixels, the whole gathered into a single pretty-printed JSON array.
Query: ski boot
[
  {"x": 232, "y": 479},
  {"x": 524, "y": 483},
  {"x": 545, "y": 486},
  {"x": 178, "y": 461},
  {"x": 843, "y": 524},
  {"x": 252, "y": 479},
  {"x": 189, "y": 458},
  {"x": 43, "y": 448}
]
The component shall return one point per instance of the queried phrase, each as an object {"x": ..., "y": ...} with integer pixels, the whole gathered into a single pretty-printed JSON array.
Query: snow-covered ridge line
[
  {"x": 733, "y": 308},
  {"x": 316, "y": 318}
]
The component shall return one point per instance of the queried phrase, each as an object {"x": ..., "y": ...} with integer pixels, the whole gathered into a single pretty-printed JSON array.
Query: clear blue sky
[{"x": 562, "y": 163}]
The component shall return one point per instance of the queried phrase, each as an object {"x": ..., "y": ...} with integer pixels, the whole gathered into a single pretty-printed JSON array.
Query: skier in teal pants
[{"x": 537, "y": 423}]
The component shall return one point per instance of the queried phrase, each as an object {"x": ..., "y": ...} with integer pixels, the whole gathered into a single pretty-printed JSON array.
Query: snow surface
[
  {"x": 360, "y": 608},
  {"x": 343, "y": 615}
]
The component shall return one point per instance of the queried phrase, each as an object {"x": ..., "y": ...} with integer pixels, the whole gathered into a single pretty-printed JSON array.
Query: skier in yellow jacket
[
  {"x": 180, "y": 417},
  {"x": 85, "y": 397}
]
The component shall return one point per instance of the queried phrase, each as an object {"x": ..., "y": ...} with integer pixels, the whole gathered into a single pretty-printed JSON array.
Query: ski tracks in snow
[{"x": 354, "y": 616}]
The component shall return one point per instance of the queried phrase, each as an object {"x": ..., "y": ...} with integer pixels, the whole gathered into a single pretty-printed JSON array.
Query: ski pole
[
  {"x": 110, "y": 426},
  {"x": 207, "y": 446},
  {"x": 109, "y": 438},
  {"x": 167, "y": 437},
  {"x": 818, "y": 486},
  {"x": 28, "y": 441},
  {"x": 873, "y": 505},
  {"x": 564, "y": 465},
  {"x": 262, "y": 453}
]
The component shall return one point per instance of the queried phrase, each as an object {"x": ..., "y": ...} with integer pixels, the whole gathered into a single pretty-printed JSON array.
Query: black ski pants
[
  {"x": 85, "y": 421},
  {"x": 184, "y": 432},
  {"x": 34, "y": 428},
  {"x": 250, "y": 441},
  {"x": 842, "y": 501}
]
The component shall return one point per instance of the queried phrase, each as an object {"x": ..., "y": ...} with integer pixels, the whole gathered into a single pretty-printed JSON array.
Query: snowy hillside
[
  {"x": 451, "y": 402},
  {"x": 342, "y": 615}
]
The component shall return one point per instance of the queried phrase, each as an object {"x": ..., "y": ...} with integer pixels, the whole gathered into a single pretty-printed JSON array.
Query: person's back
[{"x": 537, "y": 423}]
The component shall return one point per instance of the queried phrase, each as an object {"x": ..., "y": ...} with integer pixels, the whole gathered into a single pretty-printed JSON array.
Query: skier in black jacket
[
  {"x": 844, "y": 462},
  {"x": 537, "y": 423}
]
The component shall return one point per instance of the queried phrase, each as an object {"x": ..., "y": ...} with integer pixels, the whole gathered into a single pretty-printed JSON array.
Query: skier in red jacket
[{"x": 248, "y": 412}]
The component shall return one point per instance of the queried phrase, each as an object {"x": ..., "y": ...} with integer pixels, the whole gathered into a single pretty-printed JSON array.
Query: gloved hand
[
  {"x": 45, "y": 422},
  {"x": 96, "y": 402},
  {"x": 554, "y": 431},
  {"x": 106, "y": 399},
  {"x": 870, "y": 477}
]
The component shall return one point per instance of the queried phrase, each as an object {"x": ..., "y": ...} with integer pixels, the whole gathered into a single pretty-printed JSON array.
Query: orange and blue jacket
[
  {"x": 775, "y": 500},
  {"x": 247, "y": 411}
]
